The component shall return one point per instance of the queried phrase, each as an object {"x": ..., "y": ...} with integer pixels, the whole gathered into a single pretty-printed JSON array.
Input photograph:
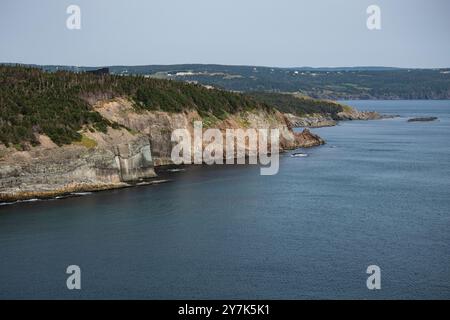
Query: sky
[{"x": 279, "y": 33}]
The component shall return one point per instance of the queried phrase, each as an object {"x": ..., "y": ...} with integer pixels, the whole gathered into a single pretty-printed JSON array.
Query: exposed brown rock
[
  {"x": 120, "y": 156},
  {"x": 311, "y": 121},
  {"x": 353, "y": 114},
  {"x": 307, "y": 139},
  {"x": 50, "y": 170}
]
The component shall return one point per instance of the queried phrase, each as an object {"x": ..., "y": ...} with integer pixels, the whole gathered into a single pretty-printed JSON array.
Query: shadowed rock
[{"x": 423, "y": 119}]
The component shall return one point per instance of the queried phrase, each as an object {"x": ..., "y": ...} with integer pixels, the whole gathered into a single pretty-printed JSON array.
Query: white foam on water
[
  {"x": 80, "y": 193},
  {"x": 174, "y": 170},
  {"x": 6, "y": 203},
  {"x": 295, "y": 155}
]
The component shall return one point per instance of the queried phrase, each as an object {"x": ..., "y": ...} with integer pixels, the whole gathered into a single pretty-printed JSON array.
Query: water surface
[{"x": 377, "y": 193}]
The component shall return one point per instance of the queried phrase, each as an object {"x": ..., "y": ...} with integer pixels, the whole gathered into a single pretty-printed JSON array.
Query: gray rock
[{"x": 423, "y": 119}]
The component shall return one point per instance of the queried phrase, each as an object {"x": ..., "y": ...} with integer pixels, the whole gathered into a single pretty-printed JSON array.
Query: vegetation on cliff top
[
  {"x": 301, "y": 106},
  {"x": 59, "y": 104}
]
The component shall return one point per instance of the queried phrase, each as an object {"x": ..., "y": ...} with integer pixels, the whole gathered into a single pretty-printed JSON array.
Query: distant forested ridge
[{"x": 323, "y": 83}]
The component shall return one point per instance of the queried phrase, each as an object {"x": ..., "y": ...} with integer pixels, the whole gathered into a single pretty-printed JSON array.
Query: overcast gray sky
[{"x": 285, "y": 33}]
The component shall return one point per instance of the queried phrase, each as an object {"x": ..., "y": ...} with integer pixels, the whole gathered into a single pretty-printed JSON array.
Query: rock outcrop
[
  {"x": 47, "y": 171},
  {"x": 308, "y": 139},
  {"x": 319, "y": 120},
  {"x": 353, "y": 114},
  {"x": 134, "y": 160},
  {"x": 124, "y": 155},
  {"x": 310, "y": 121},
  {"x": 422, "y": 119},
  {"x": 159, "y": 125}
]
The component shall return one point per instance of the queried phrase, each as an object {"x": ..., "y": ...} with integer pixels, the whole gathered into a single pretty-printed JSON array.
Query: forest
[
  {"x": 59, "y": 104},
  {"x": 298, "y": 105}
]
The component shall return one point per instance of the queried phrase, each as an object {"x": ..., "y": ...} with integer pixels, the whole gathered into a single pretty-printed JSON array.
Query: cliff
[
  {"x": 310, "y": 121},
  {"x": 48, "y": 170},
  {"x": 326, "y": 120},
  {"x": 67, "y": 132},
  {"x": 158, "y": 125},
  {"x": 353, "y": 114},
  {"x": 123, "y": 155}
]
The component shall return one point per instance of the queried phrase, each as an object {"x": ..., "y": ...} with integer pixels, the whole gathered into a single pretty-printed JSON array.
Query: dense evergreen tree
[
  {"x": 300, "y": 106},
  {"x": 56, "y": 103}
]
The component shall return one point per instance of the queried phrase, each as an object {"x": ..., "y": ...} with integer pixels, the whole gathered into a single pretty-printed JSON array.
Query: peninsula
[{"x": 63, "y": 132}]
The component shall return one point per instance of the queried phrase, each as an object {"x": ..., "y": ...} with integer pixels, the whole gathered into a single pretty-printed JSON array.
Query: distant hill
[{"x": 324, "y": 83}]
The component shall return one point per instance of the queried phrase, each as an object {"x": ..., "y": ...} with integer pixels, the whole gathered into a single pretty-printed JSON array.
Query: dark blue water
[{"x": 377, "y": 193}]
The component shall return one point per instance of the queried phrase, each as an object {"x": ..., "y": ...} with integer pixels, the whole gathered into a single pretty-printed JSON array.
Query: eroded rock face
[
  {"x": 46, "y": 172},
  {"x": 160, "y": 125},
  {"x": 312, "y": 121},
  {"x": 317, "y": 120},
  {"x": 122, "y": 156},
  {"x": 308, "y": 139},
  {"x": 359, "y": 115},
  {"x": 134, "y": 160}
]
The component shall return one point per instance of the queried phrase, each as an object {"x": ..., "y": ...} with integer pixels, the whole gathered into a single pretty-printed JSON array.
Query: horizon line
[{"x": 220, "y": 64}]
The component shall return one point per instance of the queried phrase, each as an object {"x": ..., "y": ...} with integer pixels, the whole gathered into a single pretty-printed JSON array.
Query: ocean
[{"x": 378, "y": 193}]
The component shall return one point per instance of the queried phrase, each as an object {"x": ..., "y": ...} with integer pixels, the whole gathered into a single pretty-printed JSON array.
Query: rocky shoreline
[
  {"x": 423, "y": 119},
  {"x": 127, "y": 156},
  {"x": 72, "y": 191},
  {"x": 319, "y": 121},
  {"x": 121, "y": 157}
]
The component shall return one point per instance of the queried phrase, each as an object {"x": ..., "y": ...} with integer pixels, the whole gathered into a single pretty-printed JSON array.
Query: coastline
[
  {"x": 321, "y": 121},
  {"x": 305, "y": 139},
  {"x": 122, "y": 136},
  {"x": 77, "y": 189},
  {"x": 122, "y": 156},
  {"x": 311, "y": 200}
]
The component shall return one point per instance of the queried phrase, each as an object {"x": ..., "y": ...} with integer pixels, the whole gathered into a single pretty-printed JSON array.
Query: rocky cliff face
[
  {"x": 308, "y": 139},
  {"x": 120, "y": 156},
  {"x": 159, "y": 125},
  {"x": 353, "y": 114},
  {"x": 134, "y": 160},
  {"x": 312, "y": 121},
  {"x": 49, "y": 170}
]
